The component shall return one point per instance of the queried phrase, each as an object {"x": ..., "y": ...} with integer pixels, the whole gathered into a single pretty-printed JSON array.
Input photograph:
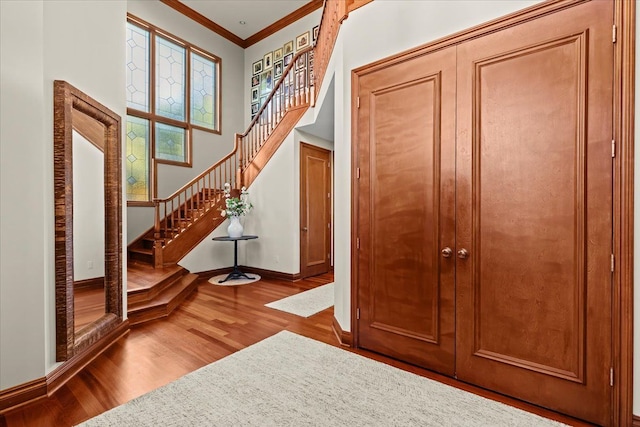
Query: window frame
[{"x": 153, "y": 118}]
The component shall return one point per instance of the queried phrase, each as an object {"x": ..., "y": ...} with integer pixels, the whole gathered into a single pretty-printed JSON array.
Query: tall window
[{"x": 173, "y": 87}]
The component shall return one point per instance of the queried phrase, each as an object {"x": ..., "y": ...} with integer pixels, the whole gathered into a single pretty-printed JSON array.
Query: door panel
[
  {"x": 315, "y": 210},
  {"x": 534, "y": 205},
  {"x": 406, "y": 201}
]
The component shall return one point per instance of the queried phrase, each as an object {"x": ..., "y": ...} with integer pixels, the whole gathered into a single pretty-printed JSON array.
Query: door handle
[
  {"x": 305, "y": 229},
  {"x": 447, "y": 252},
  {"x": 463, "y": 253}
]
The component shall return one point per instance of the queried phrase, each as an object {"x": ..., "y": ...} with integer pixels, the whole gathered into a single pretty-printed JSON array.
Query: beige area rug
[
  {"x": 235, "y": 282},
  {"x": 290, "y": 380},
  {"x": 306, "y": 303}
]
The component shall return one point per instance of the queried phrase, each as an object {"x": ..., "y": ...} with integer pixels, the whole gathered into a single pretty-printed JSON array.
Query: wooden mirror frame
[{"x": 73, "y": 109}]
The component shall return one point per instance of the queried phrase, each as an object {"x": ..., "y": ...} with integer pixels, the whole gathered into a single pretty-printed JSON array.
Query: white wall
[
  {"x": 82, "y": 43},
  {"x": 207, "y": 147},
  {"x": 24, "y": 209},
  {"x": 210, "y": 255},
  {"x": 275, "y": 217},
  {"x": 88, "y": 209}
]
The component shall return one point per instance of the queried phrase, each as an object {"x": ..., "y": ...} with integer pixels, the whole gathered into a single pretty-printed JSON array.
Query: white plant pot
[{"x": 235, "y": 229}]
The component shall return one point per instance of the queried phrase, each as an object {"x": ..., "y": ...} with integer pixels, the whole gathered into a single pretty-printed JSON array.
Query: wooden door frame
[
  {"x": 329, "y": 202},
  {"x": 623, "y": 209}
]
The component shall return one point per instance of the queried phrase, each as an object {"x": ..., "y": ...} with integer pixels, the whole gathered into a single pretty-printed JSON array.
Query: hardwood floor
[
  {"x": 212, "y": 323},
  {"x": 88, "y": 306}
]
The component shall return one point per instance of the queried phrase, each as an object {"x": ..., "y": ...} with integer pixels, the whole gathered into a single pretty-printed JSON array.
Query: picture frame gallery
[{"x": 265, "y": 72}]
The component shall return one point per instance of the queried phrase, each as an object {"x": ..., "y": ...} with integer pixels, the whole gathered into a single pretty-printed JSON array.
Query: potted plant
[{"x": 235, "y": 207}]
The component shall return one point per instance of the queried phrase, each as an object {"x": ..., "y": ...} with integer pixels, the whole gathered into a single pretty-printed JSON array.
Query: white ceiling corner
[{"x": 258, "y": 14}]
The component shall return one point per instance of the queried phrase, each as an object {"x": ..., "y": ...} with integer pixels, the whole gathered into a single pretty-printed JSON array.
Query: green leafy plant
[{"x": 236, "y": 206}]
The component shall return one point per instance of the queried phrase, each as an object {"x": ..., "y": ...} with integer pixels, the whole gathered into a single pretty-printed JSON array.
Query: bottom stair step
[{"x": 165, "y": 302}]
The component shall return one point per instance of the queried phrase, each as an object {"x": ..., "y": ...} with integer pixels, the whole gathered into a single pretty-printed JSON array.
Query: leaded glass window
[
  {"x": 172, "y": 87},
  {"x": 203, "y": 96},
  {"x": 137, "y": 68},
  {"x": 137, "y": 161},
  {"x": 170, "y": 79},
  {"x": 170, "y": 143}
]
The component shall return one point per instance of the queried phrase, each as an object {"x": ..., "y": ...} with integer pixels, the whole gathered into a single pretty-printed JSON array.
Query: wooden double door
[{"x": 484, "y": 210}]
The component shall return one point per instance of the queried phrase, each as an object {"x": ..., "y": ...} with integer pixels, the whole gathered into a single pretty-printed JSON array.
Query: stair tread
[
  {"x": 140, "y": 250},
  {"x": 166, "y": 296},
  {"x": 142, "y": 276}
]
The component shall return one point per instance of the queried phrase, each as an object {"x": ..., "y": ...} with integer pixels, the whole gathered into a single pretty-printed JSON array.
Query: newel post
[{"x": 157, "y": 241}]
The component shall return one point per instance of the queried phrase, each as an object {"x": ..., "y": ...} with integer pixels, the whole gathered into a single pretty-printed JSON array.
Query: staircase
[
  {"x": 153, "y": 293},
  {"x": 156, "y": 284}
]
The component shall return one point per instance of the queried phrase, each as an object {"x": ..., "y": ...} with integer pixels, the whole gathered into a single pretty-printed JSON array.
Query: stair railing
[
  {"x": 194, "y": 199},
  {"x": 296, "y": 89},
  {"x": 293, "y": 90},
  {"x": 333, "y": 13}
]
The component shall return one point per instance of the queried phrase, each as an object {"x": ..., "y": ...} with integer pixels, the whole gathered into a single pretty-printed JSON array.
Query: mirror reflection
[
  {"x": 88, "y": 230},
  {"x": 87, "y": 178}
]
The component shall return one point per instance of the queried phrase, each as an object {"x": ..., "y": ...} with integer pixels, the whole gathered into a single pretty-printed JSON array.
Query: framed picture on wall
[
  {"x": 257, "y": 67},
  {"x": 277, "y": 55},
  {"x": 277, "y": 69},
  {"x": 315, "y": 31},
  {"x": 254, "y": 109},
  {"x": 255, "y": 80},
  {"x": 301, "y": 62},
  {"x": 302, "y": 41},
  {"x": 288, "y": 48},
  {"x": 287, "y": 59},
  {"x": 255, "y": 94},
  {"x": 266, "y": 82},
  {"x": 267, "y": 61}
]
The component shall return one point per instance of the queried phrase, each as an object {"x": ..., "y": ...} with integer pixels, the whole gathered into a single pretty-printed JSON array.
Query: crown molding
[
  {"x": 260, "y": 35},
  {"x": 204, "y": 21}
]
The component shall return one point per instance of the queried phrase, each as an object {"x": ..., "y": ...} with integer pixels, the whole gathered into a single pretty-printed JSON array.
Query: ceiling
[{"x": 257, "y": 14}]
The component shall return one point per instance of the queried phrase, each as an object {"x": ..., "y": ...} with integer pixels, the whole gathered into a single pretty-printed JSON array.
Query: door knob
[
  {"x": 304, "y": 228},
  {"x": 463, "y": 253},
  {"x": 446, "y": 252}
]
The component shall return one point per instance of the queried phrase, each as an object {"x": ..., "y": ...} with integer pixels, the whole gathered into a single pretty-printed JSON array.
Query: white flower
[{"x": 223, "y": 213}]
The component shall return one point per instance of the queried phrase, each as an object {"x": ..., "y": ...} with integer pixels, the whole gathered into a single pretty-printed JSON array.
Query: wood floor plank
[{"x": 210, "y": 324}]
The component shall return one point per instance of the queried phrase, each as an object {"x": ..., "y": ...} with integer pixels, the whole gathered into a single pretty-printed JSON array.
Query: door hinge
[
  {"x": 357, "y": 243},
  {"x": 328, "y": 195},
  {"x": 328, "y": 225},
  {"x": 613, "y": 263},
  {"x": 614, "y": 33},
  {"x": 328, "y": 256},
  {"x": 358, "y": 313},
  {"x": 358, "y": 102},
  {"x": 613, "y": 148},
  {"x": 611, "y": 377},
  {"x": 358, "y": 173}
]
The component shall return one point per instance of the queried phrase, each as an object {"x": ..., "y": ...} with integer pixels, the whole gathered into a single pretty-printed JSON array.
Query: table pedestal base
[{"x": 236, "y": 274}]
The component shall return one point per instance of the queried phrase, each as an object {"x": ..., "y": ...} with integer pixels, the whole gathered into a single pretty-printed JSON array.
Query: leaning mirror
[{"x": 88, "y": 230}]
